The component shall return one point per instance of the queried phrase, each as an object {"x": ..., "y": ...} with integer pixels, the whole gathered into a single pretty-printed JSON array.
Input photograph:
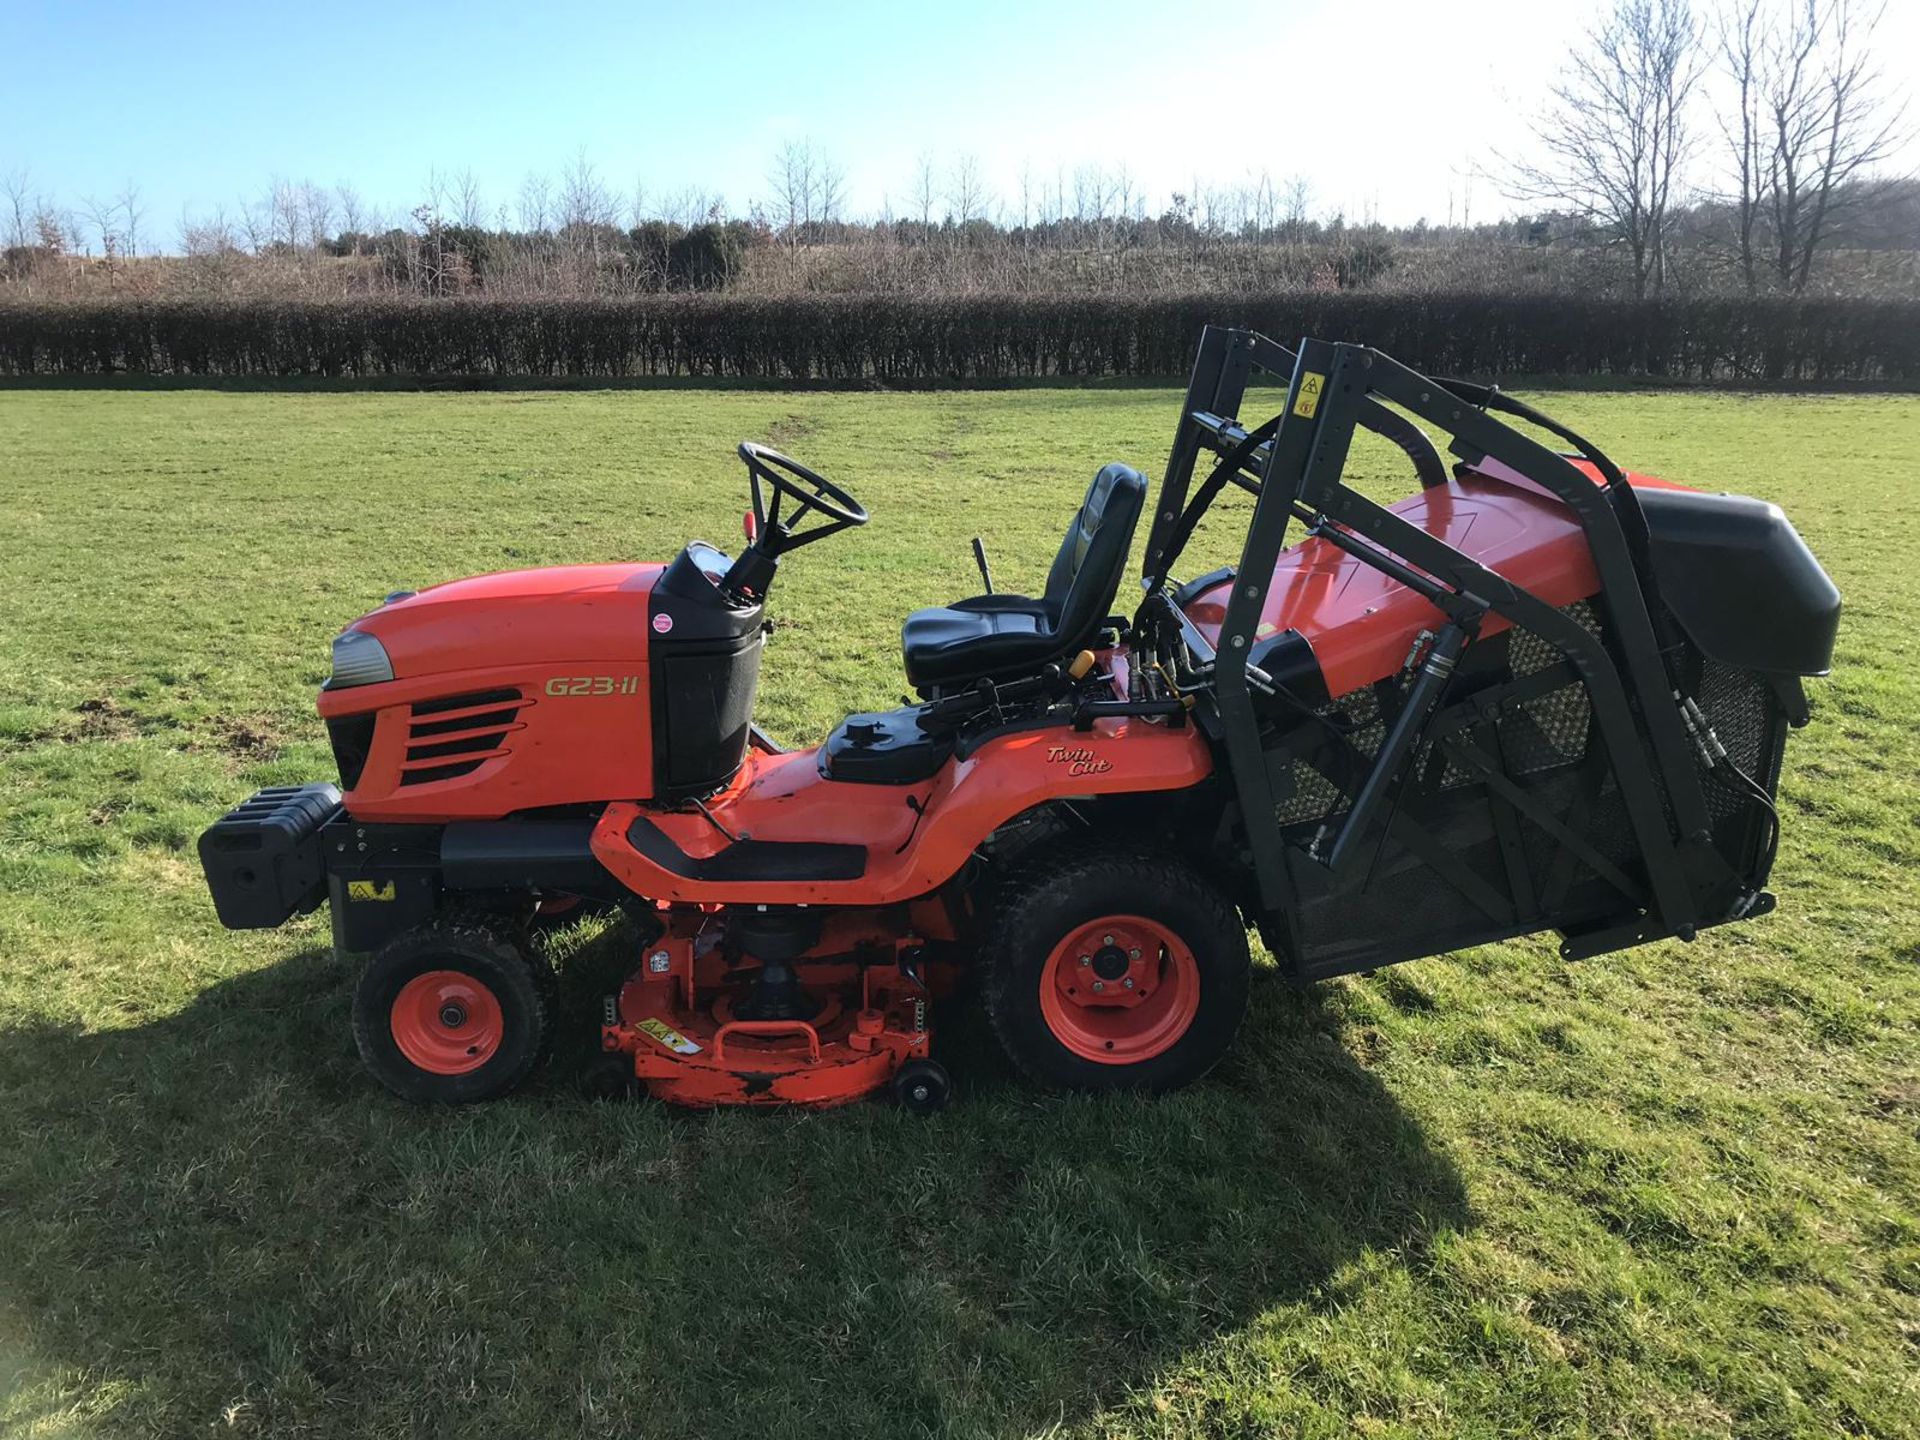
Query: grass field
[{"x": 1673, "y": 1192}]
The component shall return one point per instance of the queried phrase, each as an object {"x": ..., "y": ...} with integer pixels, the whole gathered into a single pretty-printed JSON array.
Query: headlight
[{"x": 358, "y": 659}]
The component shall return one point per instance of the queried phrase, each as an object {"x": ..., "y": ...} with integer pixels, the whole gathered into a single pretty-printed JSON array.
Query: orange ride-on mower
[{"x": 1538, "y": 693}]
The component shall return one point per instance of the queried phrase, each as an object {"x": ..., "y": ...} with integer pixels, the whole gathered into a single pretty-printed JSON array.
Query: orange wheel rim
[
  {"x": 446, "y": 1022},
  {"x": 1120, "y": 989}
]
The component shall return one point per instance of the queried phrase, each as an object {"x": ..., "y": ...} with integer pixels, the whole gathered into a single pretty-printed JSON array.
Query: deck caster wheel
[
  {"x": 923, "y": 1086},
  {"x": 610, "y": 1078}
]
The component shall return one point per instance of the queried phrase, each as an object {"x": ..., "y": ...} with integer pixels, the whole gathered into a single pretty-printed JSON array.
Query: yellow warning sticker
[
  {"x": 1308, "y": 400},
  {"x": 369, "y": 890},
  {"x": 668, "y": 1036}
]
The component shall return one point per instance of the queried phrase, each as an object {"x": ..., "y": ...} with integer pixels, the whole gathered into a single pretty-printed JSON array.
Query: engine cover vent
[{"x": 451, "y": 736}]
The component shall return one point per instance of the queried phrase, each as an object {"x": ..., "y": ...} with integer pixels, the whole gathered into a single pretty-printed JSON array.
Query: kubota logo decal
[{"x": 1079, "y": 759}]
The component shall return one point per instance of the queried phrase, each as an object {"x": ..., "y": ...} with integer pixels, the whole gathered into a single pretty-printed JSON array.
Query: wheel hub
[
  {"x": 446, "y": 1022},
  {"x": 1120, "y": 989}
]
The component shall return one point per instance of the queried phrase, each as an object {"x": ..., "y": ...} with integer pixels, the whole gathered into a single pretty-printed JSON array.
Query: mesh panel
[
  {"x": 1746, "y": 716},
  {"x": 1552, "y": 730},
  {"x": 1309, "y": 795},
  {"x": 1544, "y": 734}
]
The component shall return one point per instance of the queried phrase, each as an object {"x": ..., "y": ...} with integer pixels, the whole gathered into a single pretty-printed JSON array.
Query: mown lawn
[{"x": 1675, "y": 1191}]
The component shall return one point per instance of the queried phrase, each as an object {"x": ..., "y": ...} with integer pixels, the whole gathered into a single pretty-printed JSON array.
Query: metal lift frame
[{"x": 1293, "y": 466}]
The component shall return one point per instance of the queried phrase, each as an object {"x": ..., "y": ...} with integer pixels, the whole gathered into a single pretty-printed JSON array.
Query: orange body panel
[
  {"x": 572, "y": 640},
  {"x": 784, "y": 797},
  {"x": 1361, "y": 622},
  {"x": 559, "y": 614}
]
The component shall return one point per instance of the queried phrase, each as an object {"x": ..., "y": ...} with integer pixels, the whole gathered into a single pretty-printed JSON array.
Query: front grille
[
  {"x": 453, "y": 735},
  {"x": 352, "y": 739}
]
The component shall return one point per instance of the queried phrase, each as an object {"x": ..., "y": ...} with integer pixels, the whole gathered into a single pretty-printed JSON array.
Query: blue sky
[{"x": 1384, "y": 106}]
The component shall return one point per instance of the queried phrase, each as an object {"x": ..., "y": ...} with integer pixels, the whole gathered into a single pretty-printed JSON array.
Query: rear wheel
[
  {"x": 451, "y": 1012},
  {"x": 1111, "y": 970}
]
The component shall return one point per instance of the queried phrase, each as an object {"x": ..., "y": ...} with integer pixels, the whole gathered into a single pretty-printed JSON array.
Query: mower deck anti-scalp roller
[{"x": 1540, "y": 693}]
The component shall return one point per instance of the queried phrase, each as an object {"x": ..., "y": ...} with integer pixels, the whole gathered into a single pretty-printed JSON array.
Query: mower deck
[{"x": 858, "y": 1022}]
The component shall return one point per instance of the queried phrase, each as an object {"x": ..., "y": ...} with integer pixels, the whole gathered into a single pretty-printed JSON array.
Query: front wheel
[
  {"x": 451, "y": 1012},
  {"x": 1112, "y": 970}
]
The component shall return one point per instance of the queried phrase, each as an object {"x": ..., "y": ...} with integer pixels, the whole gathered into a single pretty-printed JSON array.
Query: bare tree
[
  {"x": 966, "y": 191},
  {"x": 469, "y": 207},
  {"x": 1812, "y": 117},
  {"x": 1295, "y": 198},
  {"x": 104, "y": 216},
  {"x": 1616, "y": 137},
  {"x": 353, "y": 215},
  {"x": 284, "y": 208},
  {"x": 132, "y": 213},
  {"x": 1092, "y": 193},
  {"x": 17, "y": 189},
  {"x": 536, "y": 203},
  {"x": 584, "y": 201},
  {"x": 316, "y": 214},
  {"x": 586, "y": 214},
  {"x": 55, "y": 230},
  {"x": 791, "y": 177},
  {"x": 829, "y": 188},
  {"x": 808, "y": 187},
  {"x": 925, "y": 187},
  {"x": 206, "y": 237}
]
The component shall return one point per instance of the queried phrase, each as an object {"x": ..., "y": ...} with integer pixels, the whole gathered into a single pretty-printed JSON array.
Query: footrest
[
  {"x": 263, "y": 860},
  {"x": 750, "y": 860}
]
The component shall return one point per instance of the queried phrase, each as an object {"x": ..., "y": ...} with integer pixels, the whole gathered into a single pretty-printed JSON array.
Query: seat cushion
[
  {"x": 999, "y": 636},
  {"x": 946, "y": 644}
]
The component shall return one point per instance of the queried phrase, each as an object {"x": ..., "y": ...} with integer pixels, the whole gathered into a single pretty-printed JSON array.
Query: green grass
[{"x": 1674, "y": 1191}]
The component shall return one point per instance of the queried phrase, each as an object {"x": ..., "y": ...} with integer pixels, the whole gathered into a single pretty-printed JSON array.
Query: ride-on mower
[{"x": 1539, "y": 693}]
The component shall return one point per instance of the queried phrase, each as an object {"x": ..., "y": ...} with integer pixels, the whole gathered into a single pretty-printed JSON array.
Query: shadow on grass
[{"x": 218, "y": 1220}]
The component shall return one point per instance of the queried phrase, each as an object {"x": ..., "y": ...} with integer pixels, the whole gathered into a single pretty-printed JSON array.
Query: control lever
[{"x": 980, "y": 559}]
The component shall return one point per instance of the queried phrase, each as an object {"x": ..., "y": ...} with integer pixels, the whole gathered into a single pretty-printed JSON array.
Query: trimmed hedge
[{"x": 891, "y": 339}]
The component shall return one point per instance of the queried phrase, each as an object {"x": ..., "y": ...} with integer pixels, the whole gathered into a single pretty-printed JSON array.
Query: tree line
[
  {"x": 1784, "y": 106},
  {"x": 946, "y": 339},
  {"x": 1739, "y": 145}
]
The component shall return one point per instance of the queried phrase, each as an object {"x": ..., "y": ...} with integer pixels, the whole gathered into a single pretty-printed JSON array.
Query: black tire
[
  {"x": 923, "y": 1087},
  {"x": 484, "y": 955},
  {"x": 610, "y": 1078},
  {"x": 1065, "y": 891}
]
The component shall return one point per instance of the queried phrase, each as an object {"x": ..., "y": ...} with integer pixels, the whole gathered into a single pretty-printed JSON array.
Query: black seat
[{"x": 1000, "y": 636}]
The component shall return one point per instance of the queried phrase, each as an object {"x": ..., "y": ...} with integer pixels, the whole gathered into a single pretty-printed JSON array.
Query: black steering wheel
[{"x": 769, "y": 470}]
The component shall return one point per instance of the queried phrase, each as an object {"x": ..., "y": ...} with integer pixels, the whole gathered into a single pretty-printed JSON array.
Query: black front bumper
[
  {"x": 291, "y": 847},
  {"x": 263, "y": 860}
]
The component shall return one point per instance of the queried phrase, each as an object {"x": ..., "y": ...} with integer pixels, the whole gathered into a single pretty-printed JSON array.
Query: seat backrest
[{"x": 1086, "y": 573}]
